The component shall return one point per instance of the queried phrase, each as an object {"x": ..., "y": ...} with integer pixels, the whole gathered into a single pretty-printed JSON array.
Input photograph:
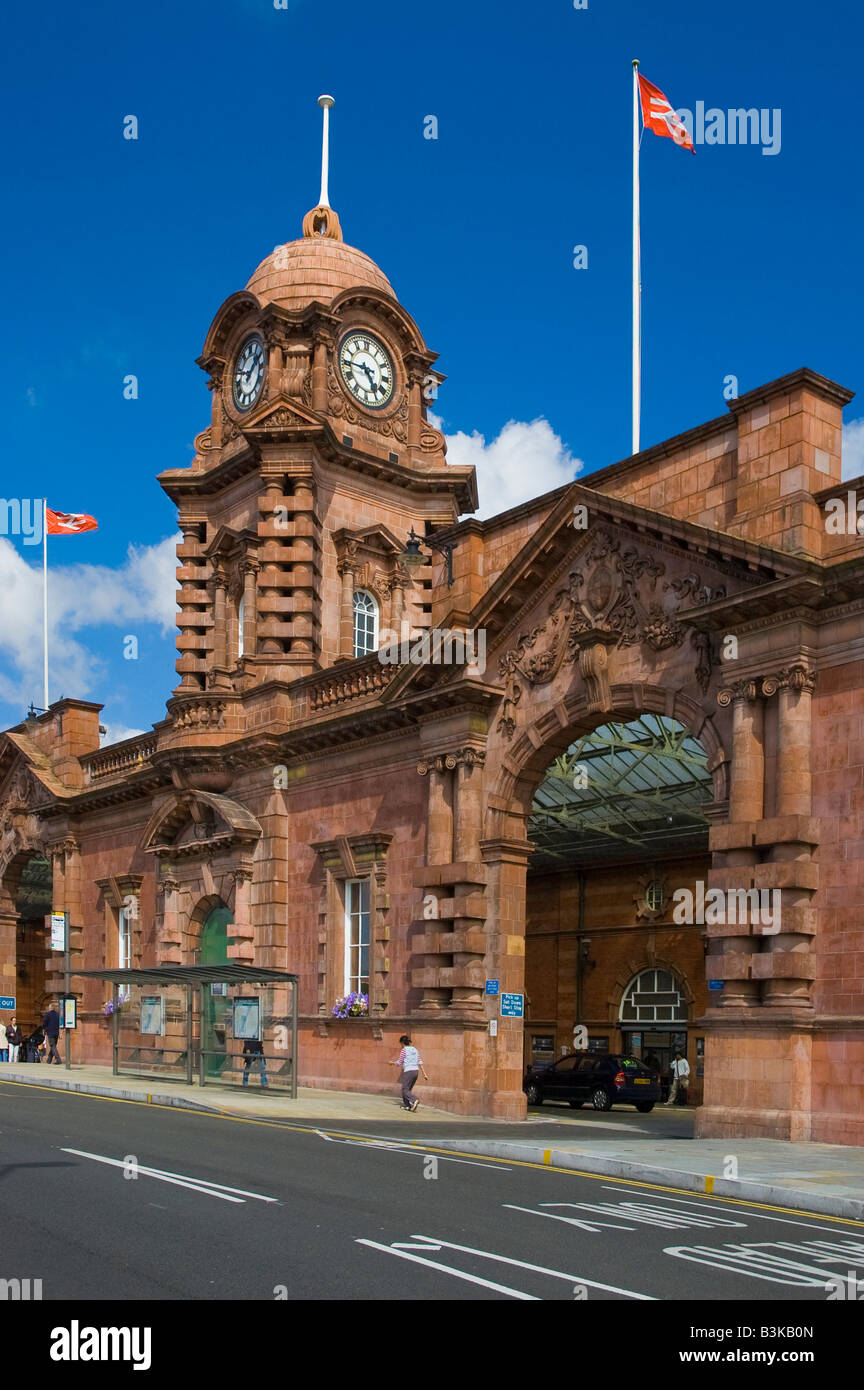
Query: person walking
[
  {"x": 253, "y": 1051},
  {"x": 4, "y": 1042},
  {"x": 14, "y": 1037},
  {"x": 411, "y": 1062},
  {"x": 51, "y": 1028},
  {"x": 680, "y": 1074}
]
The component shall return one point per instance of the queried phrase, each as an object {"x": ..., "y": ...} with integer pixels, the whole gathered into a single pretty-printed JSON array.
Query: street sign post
[{"x": 512, "y": 1005}]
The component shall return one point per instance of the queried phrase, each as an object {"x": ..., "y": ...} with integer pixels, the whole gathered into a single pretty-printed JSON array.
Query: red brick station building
[{"x": 672, "y": 699}]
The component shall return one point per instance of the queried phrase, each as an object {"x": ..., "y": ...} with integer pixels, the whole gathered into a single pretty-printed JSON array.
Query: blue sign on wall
[
  {"x": 716, "y": 984},
  {"x": 512, "y": 1005},
  {"x": 7, "y": 1001},
  {"x": 492, "y": 986}
]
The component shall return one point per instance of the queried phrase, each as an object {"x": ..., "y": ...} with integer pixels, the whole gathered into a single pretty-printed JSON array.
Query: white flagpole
[
  {"x": 45, "y": 602},
  {"x": 637, "y": 270}
]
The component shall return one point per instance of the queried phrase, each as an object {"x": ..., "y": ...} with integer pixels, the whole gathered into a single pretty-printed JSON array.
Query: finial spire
[
  {"x": 322, "y": 220},
  {"x": 325, "y": 102}
]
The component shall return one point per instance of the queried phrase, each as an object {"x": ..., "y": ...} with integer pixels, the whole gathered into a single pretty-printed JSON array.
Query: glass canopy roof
[{"x": 623, "y": 792}]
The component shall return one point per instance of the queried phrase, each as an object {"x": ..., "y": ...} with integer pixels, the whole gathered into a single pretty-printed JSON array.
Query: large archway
[{"x": 618, "y": 824}]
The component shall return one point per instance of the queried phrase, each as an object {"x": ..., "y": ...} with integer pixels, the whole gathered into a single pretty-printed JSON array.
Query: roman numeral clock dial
[
  {"x": 367, "y": 370},
  {"x": 249, "y": 368}
]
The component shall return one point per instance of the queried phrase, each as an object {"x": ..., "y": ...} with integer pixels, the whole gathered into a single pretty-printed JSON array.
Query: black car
[{"x": 604, "y": 1078}]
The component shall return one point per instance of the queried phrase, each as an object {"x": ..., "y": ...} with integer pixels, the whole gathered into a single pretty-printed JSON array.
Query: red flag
[
  {"x": 657, "y": 115},
  {"x": 69, "y": 523}
]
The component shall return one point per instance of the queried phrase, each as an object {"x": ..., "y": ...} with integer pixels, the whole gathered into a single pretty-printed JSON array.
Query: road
[{"x": 105, "y": 1199}]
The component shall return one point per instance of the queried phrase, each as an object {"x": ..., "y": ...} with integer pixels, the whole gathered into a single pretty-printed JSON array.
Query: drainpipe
[{"x": 580, "y": 926}]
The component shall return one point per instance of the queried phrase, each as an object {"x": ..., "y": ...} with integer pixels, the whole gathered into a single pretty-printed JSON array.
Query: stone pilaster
[{"x": 732, "y": 954}]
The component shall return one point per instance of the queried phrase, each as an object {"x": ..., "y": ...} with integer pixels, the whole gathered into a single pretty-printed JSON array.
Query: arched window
[
  {"x": 365, "y": 623},
  {"x": 653, "y": 996}
]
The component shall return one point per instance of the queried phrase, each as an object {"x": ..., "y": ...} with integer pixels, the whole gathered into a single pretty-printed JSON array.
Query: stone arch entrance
[
  {"x": 507, "y": 852},
  {"x": 618, "y": 825},
  {"x": 25, "y": 902}
]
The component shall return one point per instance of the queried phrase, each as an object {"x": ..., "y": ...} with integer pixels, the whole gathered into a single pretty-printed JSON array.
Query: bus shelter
[{"x": 226, "y": 1024}]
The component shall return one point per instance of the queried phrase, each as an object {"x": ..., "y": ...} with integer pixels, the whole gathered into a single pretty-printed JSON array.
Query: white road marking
[
  {"x": 668, "y": 1217},
  {"x": 446, "y": 1269},
  {"x": 412, "y": 1245},
  {"x": 538, "y": 1269},
  {"x": 202, "y": 1185},
  {"x": 592, "y": 1226},
  {"x": 764, "y": 1260},
  {"x": 761, "y": 1215},
  {"x": 416, "y": 1149}
]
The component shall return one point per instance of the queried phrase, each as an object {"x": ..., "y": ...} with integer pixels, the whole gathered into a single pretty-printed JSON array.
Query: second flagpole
[
  {"x": 45, "y": 602},
  {"x": 637, "y": 270}
]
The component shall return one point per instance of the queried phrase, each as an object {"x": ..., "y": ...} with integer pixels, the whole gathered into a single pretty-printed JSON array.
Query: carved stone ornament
[
  {"x": 747, "y": 690},
  {"x": 296, "y": 370},
  {"x": 447, "y": 762},
  {"x": 611, "y": 614},
  {"x": 790, "y": 678}
]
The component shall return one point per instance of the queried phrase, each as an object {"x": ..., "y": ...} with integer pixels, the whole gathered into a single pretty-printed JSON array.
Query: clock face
[
  {"x": 367, "y": 370},
  {"x": 249, "y": 373}
]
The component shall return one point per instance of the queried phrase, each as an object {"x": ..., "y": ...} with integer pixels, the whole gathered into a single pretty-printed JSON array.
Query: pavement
[{"x": 657, "y": 1150}]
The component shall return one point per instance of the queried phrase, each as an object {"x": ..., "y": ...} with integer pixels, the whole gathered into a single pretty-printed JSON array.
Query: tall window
[
  {"x": 357, "y": 935},
  {"x": 365, "y": 623},
  {"x": 124, "y": 934},
  {"x": 241, "y": 614}
]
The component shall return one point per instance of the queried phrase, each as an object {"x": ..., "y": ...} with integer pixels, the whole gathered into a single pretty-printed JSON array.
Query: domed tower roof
[{"x": 317, "y": 266}]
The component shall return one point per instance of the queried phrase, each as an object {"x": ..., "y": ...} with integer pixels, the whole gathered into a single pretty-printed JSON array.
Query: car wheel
[
  {"x": 644, "y": 1106},
  {"x": 601, "y": 1099},
  {"x": 533, "y": 1094},
  {"x": 576, "y": 1104}
]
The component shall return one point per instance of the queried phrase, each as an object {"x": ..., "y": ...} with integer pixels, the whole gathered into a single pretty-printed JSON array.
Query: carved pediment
[
  {"x": 617, "y": 597},
  {"x": 283, "y": 417},
  {"x": 197, "y": 822}
]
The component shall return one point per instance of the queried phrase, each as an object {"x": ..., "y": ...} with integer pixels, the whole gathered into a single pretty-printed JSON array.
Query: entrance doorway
[
  {"x": 213, "y": 950},
  {"x": 32, "y": 906}
]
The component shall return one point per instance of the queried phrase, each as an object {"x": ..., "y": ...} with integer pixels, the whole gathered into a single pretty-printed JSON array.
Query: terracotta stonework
[{"x": 695, "y": 581}]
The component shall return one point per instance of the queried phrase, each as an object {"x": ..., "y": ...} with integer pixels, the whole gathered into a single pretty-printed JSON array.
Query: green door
[{"x": 214, "y": 951}]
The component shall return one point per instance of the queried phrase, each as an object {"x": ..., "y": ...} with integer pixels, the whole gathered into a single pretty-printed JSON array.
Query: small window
[
  {"x": 357, "y": 919},
  {"x": 655, "y": 896},
  {"x": 567, "y": 1063},
  {"x": 365, "y": 623}
]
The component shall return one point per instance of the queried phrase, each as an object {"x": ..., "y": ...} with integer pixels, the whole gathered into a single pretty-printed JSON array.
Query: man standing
[
  {"x": 680, "y": 1074},
  {"x": 51, "y": 1028}
]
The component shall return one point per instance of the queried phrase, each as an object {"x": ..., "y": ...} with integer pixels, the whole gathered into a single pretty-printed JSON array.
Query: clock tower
[{"x": 318, "y": 459}]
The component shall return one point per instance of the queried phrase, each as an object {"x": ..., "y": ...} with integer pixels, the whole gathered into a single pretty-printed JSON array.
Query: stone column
[
  {"x": 347, "y": 569},
  {"x": 469, "y": 804},
  {"x": 169, "y": 944},
  {"x": 250, "y": 609},
  {"x": 241, "y": 934},
  {"x": 507, "y": 862},
  {"x": 65, "y": 897},
  {"x": 746, "y": 805},
  {"x": 439, "y": 852},
  {"x": 401, "y": 580},
  {"x": 220, "y": 593},
  {"x": 323, "y": 343},
  {"x": 785, "y": 966}
]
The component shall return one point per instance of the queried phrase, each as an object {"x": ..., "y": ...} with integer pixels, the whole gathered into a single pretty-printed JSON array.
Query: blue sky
[{"x": 118, "y": 253}]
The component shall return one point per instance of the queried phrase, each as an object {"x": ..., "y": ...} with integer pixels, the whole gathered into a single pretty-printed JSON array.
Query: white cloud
[
  {"x": 853, "y": 449},
  {"x": 116, "y": 733},
  {"x": 141, "y": 590},
  {"x": 526, "y": 459}
]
